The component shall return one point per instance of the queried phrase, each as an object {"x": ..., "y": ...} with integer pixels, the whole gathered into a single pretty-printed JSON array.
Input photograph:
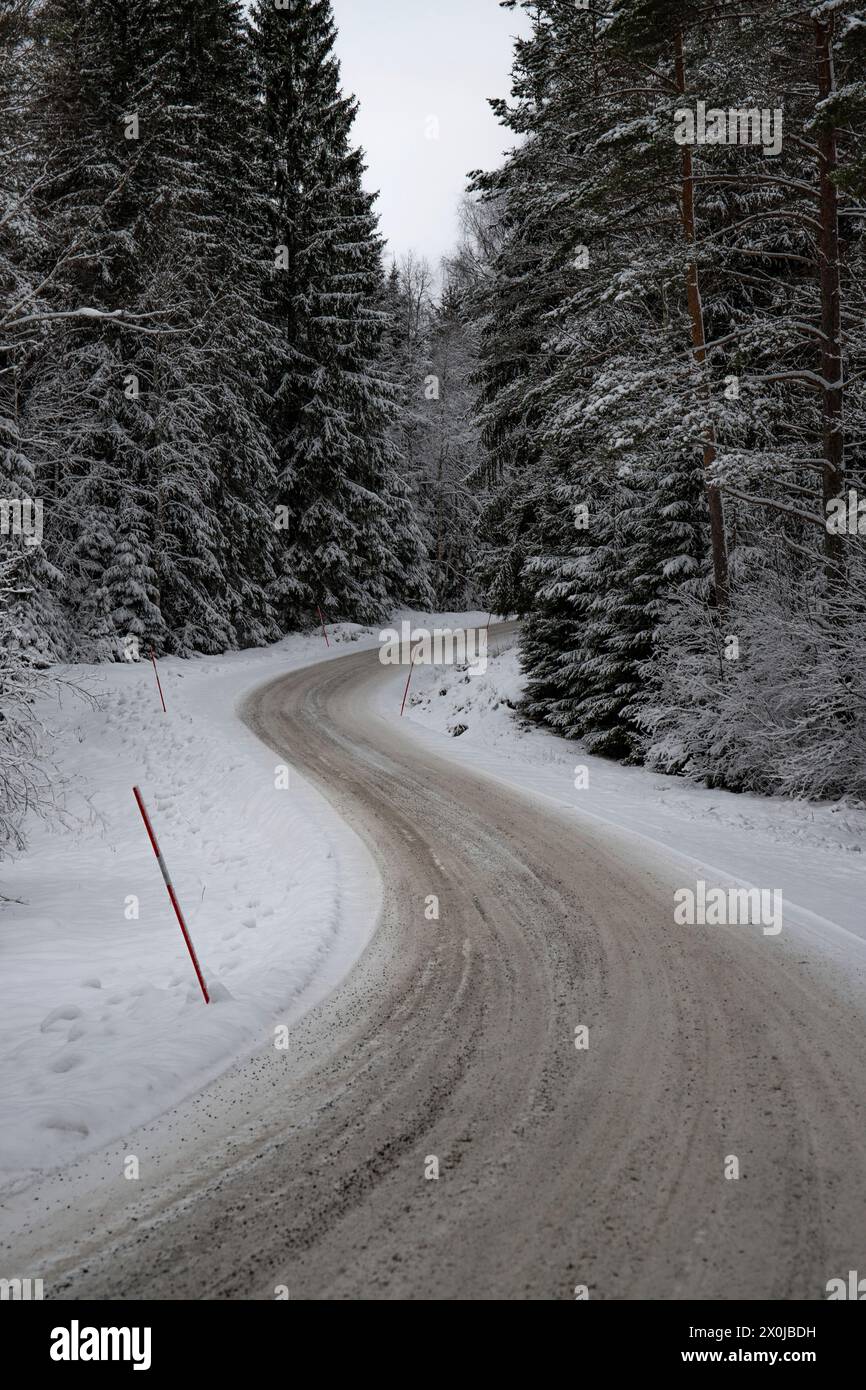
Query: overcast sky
[{"x": 408, "y": 61}]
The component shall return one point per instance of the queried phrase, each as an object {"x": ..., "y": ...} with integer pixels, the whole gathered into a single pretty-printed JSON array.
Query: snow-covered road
[{"x": 450, "y": 1048}]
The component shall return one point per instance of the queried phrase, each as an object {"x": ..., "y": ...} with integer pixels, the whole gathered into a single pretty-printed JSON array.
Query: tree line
[
  {"x": 630, "y": 407},
  {"x": 193, "y": 375},
  {"x": 670, "y": 307},
  {"x": 209, "y": 405}
]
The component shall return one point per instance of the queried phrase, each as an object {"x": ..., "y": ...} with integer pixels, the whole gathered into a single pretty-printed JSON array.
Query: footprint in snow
[
  {"x": 67, "y": 1062},
  {"x": 67, "y": 1011},
  {"x": 65, "y": 1125}
]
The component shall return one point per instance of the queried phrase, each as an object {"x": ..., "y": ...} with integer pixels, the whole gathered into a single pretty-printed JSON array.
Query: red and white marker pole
[
  {"x": 408, "y": 678},
  {"x": 324, "y": 629},
  {"x": 158, "y": 682},
  {"x": 171, "y": 893}
]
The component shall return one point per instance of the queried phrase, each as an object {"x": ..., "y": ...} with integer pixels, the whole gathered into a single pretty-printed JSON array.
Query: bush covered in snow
[{"x": 782, "y": 708}]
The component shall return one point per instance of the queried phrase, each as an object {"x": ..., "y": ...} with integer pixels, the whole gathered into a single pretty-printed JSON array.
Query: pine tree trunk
[
  {"x": 833, "y": 478},
  {"x": 699, "y": 344}
]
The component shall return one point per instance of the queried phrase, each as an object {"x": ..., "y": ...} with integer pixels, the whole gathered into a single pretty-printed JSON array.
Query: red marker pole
[
  {"x": 408, "y": 678},
  {"x": 324, "y": 629},
  {"x": 171, "y": 893},
  {"x": 158, "y": 682}
]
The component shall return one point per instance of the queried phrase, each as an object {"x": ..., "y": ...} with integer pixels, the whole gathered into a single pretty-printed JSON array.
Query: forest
[{"x": 628, "y": 408}]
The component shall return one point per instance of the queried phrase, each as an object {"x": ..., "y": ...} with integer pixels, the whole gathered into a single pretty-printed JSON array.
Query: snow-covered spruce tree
[
  {"x": 774, "y": 237},
  {"x": 782, "y": 272},
  {"x": 532, "y": 556},
  {"x": 347, "y": 536},
  {"x": 553, "y": 646},
  {"x": 610, "y": 516},
  {"x": 690, "y": 346},
  {"x": 217, "y": 373},
  {"x": 166, "y": 454},
  {"x": 25, "y": 641},
  {"x": 92, "y": 70},
  {"x": 623, "y": 393},
  {"x": 849, "y": 98},
  {"x": 586, "y": 663},
  {"x": 524, "y": 278},
  {"x": 34, "y": 621}
]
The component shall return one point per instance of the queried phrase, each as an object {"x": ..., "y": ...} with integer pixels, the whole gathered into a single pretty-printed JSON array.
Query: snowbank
[
  {"x": 813, "y": 853},
  {"x": 103, "y": 1024}
]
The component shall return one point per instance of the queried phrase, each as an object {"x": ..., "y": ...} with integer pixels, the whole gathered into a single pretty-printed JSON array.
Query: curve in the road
[{"x": 454, "y": 1040}]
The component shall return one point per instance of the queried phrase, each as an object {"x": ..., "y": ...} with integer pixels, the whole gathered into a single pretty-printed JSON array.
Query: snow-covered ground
[
  {"x": 813, "y": 853},
  {"x": 103, "y": 1025}
]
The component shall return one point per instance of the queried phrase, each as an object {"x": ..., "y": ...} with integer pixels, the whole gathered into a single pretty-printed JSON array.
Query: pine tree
[
  {"x": 155, "y": 226},
  {"x": 685, "y": 346},
  {"x": 219, "y": 227},
  {"x": 34, "y": 622},
  {"x": 529, "y": 273},
  {"x": 343, "y": 507}
]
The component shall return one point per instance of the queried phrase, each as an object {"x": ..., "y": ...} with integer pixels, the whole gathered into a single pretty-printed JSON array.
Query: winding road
[{"x": 452, "y": 1044}]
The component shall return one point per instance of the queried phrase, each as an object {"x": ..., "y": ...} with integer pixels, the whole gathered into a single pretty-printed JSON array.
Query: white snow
[
  {"x": 812, "y": 852},
  {"x": 103, "y": 1024}
]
